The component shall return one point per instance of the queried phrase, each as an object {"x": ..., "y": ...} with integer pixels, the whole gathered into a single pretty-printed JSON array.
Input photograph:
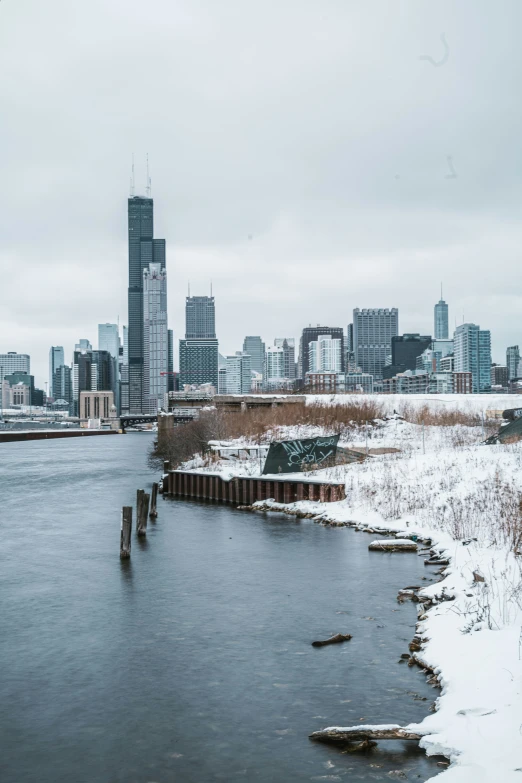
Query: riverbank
[
  {"x": 11, "y": 436},
  {"x": 466, "y": 498}
]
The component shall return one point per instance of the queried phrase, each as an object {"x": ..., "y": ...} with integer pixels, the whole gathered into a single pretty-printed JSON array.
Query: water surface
[{"x": 192, "y": 662}]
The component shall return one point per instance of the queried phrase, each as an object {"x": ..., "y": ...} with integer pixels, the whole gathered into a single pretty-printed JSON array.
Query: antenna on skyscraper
[
  {"x": 189, "y": 288},
  {"x": 148, "y": 178},
  {"x": 211, "y": 289},
  {"x": 132, "y": 177},
  {"x": 441, "y": 291}
]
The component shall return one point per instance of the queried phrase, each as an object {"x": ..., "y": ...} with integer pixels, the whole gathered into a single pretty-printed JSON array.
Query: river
[{"x": 192, "y": 661}]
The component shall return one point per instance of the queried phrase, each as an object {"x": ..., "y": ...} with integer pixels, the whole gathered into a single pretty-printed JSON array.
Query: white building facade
[
  {"x": 325, "y": 354},
  {"x": 155, "y": 337}
]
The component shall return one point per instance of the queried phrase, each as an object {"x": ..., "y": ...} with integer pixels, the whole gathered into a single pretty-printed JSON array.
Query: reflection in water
[{"x": 193, "y": 660}]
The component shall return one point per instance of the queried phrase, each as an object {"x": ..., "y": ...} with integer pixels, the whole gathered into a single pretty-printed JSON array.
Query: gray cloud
[{"x": 312, "y": 127}]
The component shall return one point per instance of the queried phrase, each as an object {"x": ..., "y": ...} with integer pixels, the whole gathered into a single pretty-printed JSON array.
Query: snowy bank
[{"x": 466, "y": 498}]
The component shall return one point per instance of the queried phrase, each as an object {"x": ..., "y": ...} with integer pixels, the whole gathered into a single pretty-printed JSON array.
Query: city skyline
[{"x": 299, "y": 204}]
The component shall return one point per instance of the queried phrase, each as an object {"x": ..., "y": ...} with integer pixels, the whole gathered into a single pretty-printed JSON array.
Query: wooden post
[
  {"x": 153, "y": 501},
  {"x": 142, "y": 503},
  {"x": 125, "y": 535},
  {"x": 166, "y": 466},
  {"x": 139, "y": 501}
]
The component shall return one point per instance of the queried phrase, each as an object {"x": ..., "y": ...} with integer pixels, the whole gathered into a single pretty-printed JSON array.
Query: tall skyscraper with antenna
[
  {"x": 441, "y": 330},
  {"x": 143, "y": 251}
]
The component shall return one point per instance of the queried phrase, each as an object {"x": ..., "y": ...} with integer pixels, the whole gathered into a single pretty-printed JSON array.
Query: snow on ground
[
  {"x": 466, "y": 497},
  {"x": 467, "y": 403}
]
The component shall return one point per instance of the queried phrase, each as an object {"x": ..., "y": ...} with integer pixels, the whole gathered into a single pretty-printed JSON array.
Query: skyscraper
[
  {"x": 62, "y": 385},
  {"x": 441, "y": 319},
  {"x": 109, "y": 340},
  {"x": 124, "y": 372},
  {"x": 199, "y": 351},
  {"x": 312, "y": 333},
  {"x": 238, "y": 374},
  {"x": 170, "y": 376},
  {"x": 288, "y": 346},
  {"x": 155, "y": 338},
  {"x": 325, "y": 354},
  {"x": 255, "y": 347},
  {"x": 56, "y": 359},
  {"x": 200, "y": 317},
  {"x": 373, "y": 330},
  {"x": 512, "y": 361},
  {"x": 143, "y": 250},
  {"x": 11, "y": 362},
  {"x": 473, "y": 354}
]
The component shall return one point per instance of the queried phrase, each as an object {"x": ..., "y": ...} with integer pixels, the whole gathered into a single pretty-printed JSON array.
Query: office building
[
  {"x": 155, "y": 338},
  {"x": 288, "y": 346},
  {"x": 447, "y": 363},
  {"x": 11, "y": 362},
  {"x": 407, "y": 347},
  {"x": 143, "y": 250},
  {"x": 199, "y": 351},
  {"x": 349, "y": 339},
  {"x": 373, "y": 330},
  {"x": 512, "y": 361},
  {"x": 325, "y": 354},
  {"x": 473, "y": 354},
  {"x": 441, "y": 319},
  {"x": 462, "y": 383},
  {"x": 200, "y": 318},
  {"x": 109, "y": 340},
  {"x": 62, "y": 386},
  {"x": 499, "y": 375},
  {"x": 56, "y": 359},
  {"x": 198, "y": 363},
  {"x": 97, "y": 405},
  {"x": 21, "y": 379},
  {"x": 255, "y": 348},
  {"x": 238, "y": 372},
  {"x": 81, "y": 376},
  {"x": 171, "y": 380},
  {"x": 83, "y": 345},
  {"x": 124, "y": 372},
  {"x": 310, "y": 334}
]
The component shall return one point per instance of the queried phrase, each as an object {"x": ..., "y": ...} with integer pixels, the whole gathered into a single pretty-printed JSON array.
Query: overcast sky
[{"x": 298, "y": 154}]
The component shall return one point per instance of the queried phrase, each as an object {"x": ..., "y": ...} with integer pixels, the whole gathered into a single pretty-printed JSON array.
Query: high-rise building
[
  {"x": 83, "y": 345},
  {"x": 109, "y": 340},
  {"x": 325, "y": 354},
  {"x": 81, "y": 376},
  {"x": 170, "y": 377},
  {"x": 406, "y": 348},
  {"x": 200, "y": 318},
  {"x": 199, "y": 351},
  {"x": 288, "y": 346},
  {"x": 512, "y": 361},
  {"x": 198, "y": 362},
  {"x": 441, "y": 319},
  {"x": 11, "y": 362},
  {"x": 255, "y": 348},
  {"x": 349, "y": 339},
  {"x": 124, "y": 372},
  {"x": 499, "y": 375},
  {"x": 155, "y": 338},
  {"x": 473, "y": 354},
  {"x": 373, "y": 330},
  {"x": 56, "y": 359},
  {"x": 143, "y": 250},
  {"x": 274, "y": 369},
  {"x": 311, "y": 333},
  {"x": 238, "y": 374},
  {"x": 62, "y": 385}
]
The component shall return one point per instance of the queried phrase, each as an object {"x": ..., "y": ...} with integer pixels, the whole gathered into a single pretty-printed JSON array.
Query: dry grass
[{"x": 438, "y": 417}]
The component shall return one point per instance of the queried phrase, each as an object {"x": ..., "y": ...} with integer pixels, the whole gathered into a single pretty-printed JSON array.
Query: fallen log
[
  {"x": 337, "y": 639},
  {"x": 436, "y": 562},
  {"x": 393, "y": 545},
  {"x": 336, "y": 734}
]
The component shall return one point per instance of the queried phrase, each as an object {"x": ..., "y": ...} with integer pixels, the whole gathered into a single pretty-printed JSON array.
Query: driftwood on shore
[
  {"x": 337, "y": 639},
  {"x": 363, "y": 734},
  {"x": 393, "y": 545}
]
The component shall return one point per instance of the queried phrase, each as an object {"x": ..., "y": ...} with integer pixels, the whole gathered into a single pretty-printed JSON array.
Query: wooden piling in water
[
  {"x": 126, "y": 529},
  {"x": 153, "y": 501},
  {"x": 141, "y": 519}
]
